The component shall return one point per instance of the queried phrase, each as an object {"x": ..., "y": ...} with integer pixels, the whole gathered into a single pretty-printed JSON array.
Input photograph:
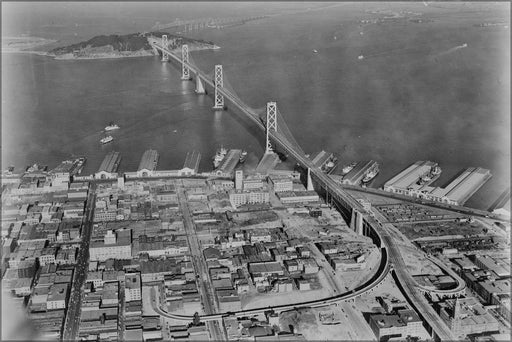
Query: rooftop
[
  {"x": 149, "y": 160},
  {"x": 111, "y": 162},
  {"x": 192, "y": 160}
]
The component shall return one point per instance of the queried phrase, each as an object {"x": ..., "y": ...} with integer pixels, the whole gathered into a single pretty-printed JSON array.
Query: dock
[
  {"x": 465, "y": 185},
  {"x": 457, "y": 192},
  {"x": 149, "y": 161},
  {"x": 356, "y": 175},
  {"x": 230, "y": 161},
  {"x": 409, "y": 177},
  {"x": 267, "y": 163},
  {"x": 111, "y": 162},
  {"x": 322, "y": 158},
  {"x": 192, "y": 162}
]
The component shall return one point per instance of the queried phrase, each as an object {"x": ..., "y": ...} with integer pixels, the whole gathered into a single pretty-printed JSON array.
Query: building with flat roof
[
  {"x": 230, "y": 161},
  {"x": 292, "y": 197},
  {"x": 57, "y": 297},
  {"x": 238, "y": 198},
  {"x": 116, "y": 245},
  {"x": 409, "y": 177},
  {"x": 281, "y": 183},
  {"x": 404, "y": 323},
  {"x": 457, "y": 192},
  {"x": 109, "y": 166},
  {"x": 133, "y": 287},
  {"x": 148, "y": 163}
]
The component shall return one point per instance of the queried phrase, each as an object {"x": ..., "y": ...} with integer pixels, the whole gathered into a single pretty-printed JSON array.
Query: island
[{"x": 129, "y": 45}]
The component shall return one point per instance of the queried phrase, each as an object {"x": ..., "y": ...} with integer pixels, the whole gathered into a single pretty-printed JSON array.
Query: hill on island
[{"x": 134, "y": 42}]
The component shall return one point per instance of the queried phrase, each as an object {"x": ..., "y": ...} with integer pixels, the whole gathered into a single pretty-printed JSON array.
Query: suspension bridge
[{"x": 278, "y": 134}]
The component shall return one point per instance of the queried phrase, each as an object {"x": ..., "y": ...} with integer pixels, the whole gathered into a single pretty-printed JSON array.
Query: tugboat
[
  {"x": 347, "y": 168},
  {"x": 111, "y": 127},
  {"x": 243, "y": 157},
  {"x": 106, "y": 140},
  {"x": 219, "y": 157},
  {"x": 371, "y": 174}
]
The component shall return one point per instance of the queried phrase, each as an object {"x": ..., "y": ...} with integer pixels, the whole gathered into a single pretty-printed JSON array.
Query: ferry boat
[
  {"x": 371, "y": 174},
  {"x": 111, "y": 127},
  {"x": 243, "y": 156},
  {"x": 219, "y": 157},
  {"x": 346, "y": 169},
  {"x": 106, "y": 140}
]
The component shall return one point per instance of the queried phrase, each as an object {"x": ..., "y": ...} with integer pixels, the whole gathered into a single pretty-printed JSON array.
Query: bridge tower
[
  {"x": 185, "y": 71},
  {"x": 200, "y": 89},
  {"x": 218, "y": 81},
  {"x": 271, "y": 124},
  {"x": 165, "y": 44}
]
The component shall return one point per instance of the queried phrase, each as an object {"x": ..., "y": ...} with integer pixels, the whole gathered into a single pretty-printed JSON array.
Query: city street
[
  {"x": 72, "y": 321},
  {"x": 205, "y": 288}
]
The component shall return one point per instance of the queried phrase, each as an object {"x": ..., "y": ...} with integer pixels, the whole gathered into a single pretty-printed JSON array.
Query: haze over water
[{"x": 414, "y": 96}]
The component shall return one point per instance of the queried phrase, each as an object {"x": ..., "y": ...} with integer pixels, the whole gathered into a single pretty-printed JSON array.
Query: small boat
[
  {"x": 464, "y": 45},
  {"x": 315, "y": 51},
  {"x": 360, "y": 57},
  {"x": 111, "y": 127},
  {"x": 106, "y": 140},
  {"x": 243, "y": 156},
  {"x": 346, "y": 169}
]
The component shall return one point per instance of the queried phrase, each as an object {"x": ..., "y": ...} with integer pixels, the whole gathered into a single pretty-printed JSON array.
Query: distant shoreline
[{"x": 121, "y": 54}]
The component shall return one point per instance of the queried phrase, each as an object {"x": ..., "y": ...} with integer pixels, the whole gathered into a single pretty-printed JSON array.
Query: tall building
[
  {"x": 132, "y": 289},
  {"x": 239, "y": 178}
]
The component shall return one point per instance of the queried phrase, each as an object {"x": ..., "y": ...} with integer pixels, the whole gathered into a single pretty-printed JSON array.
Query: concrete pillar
[
  {"x": 309, "y": 181},
  {"x": 356, "y": 222}
]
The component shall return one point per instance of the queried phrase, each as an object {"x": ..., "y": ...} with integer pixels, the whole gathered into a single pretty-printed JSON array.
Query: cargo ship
[
  {"x": 111, "y": 127},
  {"x": 347, "y": 168},
  {"x": 371, "y": 174},
  {"x": 430, "y": 176},
  {"x": 219, "y": 157},
  {"x": 106, "y": 140}
]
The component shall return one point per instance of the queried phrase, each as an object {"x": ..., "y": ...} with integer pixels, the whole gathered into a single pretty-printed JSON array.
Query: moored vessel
[
  {"x": 219, "y": 157},
  {"x": 371, "y": 174},
  {"x": 347, "y": 168}
]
